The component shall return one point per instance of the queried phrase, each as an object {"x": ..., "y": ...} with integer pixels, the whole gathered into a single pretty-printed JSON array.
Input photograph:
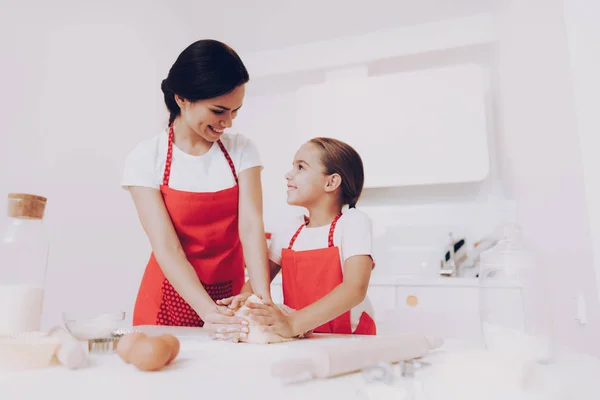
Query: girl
[
  {"x": 197, "y": 191},
  {"x": 325, "y": 258}
]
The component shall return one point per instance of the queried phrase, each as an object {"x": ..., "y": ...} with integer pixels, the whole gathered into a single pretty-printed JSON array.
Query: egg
[
  {"x": 173, "y": 343},
  {"x": 125, "y": 344},
  {"x": 150, "y": 353}
]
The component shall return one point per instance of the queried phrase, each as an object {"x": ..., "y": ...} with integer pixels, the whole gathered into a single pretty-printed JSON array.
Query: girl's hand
[
  {"x": 234, "y": 302},
  {"x": 221, "y": 324},
  {"x": 288, "y": 311},
  {"x": 272, "y": 317}
]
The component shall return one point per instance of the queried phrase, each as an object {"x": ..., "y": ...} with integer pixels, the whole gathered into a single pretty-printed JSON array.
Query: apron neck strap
[
  {"x": 329, "y": 236},
  {"x": 167, "y": 173},
  {"x": 228, "y": 158}
]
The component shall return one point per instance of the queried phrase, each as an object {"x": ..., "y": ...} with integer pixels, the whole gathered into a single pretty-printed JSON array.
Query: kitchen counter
[{"x": 207, "y": 369}]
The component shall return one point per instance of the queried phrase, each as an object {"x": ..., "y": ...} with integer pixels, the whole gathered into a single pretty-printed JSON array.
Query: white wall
[
  {"x": 541, "y": 159},
  {"x": 80, "y": 87}
]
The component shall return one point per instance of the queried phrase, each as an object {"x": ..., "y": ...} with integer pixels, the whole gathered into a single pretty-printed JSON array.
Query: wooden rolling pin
[{"x": 355, "y": 354}]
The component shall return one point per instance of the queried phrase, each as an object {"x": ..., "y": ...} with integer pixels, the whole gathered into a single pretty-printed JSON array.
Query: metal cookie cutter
[
  {"x": 384, "y": 372},
  {"x": 408, "y": 367},
  {"x": 103, "y": 345},
  {"x": 380, "y": 372},
  {"x": 109, "y": 344}
]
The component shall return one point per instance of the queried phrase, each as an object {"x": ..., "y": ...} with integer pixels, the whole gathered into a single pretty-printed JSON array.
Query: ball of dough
[{"x": 256, "y": 332}]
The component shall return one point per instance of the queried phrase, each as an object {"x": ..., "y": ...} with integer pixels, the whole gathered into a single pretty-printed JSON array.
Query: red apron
[
  {"x": 207, "y": 226},
  {"x": 309, "y": 275}
]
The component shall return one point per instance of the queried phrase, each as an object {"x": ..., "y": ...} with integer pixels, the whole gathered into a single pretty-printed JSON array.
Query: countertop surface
[{"x": 208, "y": 369}]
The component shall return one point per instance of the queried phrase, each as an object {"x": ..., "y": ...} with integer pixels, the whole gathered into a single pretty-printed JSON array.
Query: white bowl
[{"x": 92, "y": 326}]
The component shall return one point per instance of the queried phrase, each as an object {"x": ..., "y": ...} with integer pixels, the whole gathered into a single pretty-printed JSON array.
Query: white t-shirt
[
  {"x": 210, "y": 172},
  {"x": 352, "y": 235}
]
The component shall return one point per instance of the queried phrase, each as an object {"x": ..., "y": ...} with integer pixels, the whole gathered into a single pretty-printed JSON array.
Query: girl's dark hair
[
  {"x": 205, "y": 69},
  {"x": 341, "y": 158}
]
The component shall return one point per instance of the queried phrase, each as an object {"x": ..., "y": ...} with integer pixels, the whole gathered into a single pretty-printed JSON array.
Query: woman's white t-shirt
[
  {"x": 210, "y": 172},
  {"x": 352, "y": 235}
]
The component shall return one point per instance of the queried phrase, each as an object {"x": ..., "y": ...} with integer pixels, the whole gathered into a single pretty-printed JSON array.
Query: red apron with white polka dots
[
  {"x": 207, "y": 227},
  {"x": 309, "y": 275}
]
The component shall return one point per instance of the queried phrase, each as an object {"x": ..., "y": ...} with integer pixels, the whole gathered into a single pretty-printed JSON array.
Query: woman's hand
[
  {"x": 234, "y": 302},
  {"x": 221, "y": 324}
]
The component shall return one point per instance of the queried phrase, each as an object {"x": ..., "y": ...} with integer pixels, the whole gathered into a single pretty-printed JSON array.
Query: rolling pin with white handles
[{"x": 355, "y": 354}]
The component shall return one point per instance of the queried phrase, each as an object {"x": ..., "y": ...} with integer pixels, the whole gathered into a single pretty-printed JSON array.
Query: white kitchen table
[{"x": 208, "y": 369}]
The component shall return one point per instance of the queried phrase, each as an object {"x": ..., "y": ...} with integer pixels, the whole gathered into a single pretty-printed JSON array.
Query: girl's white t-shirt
[
  {"x": 352, "y": 235},
  {"x": 210, "y": 172}
]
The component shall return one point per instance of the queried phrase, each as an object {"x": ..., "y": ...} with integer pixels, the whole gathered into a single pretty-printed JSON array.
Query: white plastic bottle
[{"x": 24, "y": 248}]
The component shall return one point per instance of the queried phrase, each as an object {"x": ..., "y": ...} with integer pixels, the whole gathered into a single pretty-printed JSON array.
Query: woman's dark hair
[
  {"x": 341, "y": 158},
  {"x": 205, "y": 69}
]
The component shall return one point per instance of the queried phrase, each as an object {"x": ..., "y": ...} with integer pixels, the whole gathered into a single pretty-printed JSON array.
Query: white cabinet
[
  {"x": 450, "y": 312},
  {"x": 414, "y": 128}
]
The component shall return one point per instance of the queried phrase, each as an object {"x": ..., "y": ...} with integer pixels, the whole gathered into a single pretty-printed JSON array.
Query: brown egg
[
  {"x": 125, "y": 344},
  {"x": 149, "y": 353},
  {"x": 173, "y": 343}
]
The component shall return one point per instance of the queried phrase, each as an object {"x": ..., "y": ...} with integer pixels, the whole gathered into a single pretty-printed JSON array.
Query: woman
[{"x": 197, "y": 191}]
